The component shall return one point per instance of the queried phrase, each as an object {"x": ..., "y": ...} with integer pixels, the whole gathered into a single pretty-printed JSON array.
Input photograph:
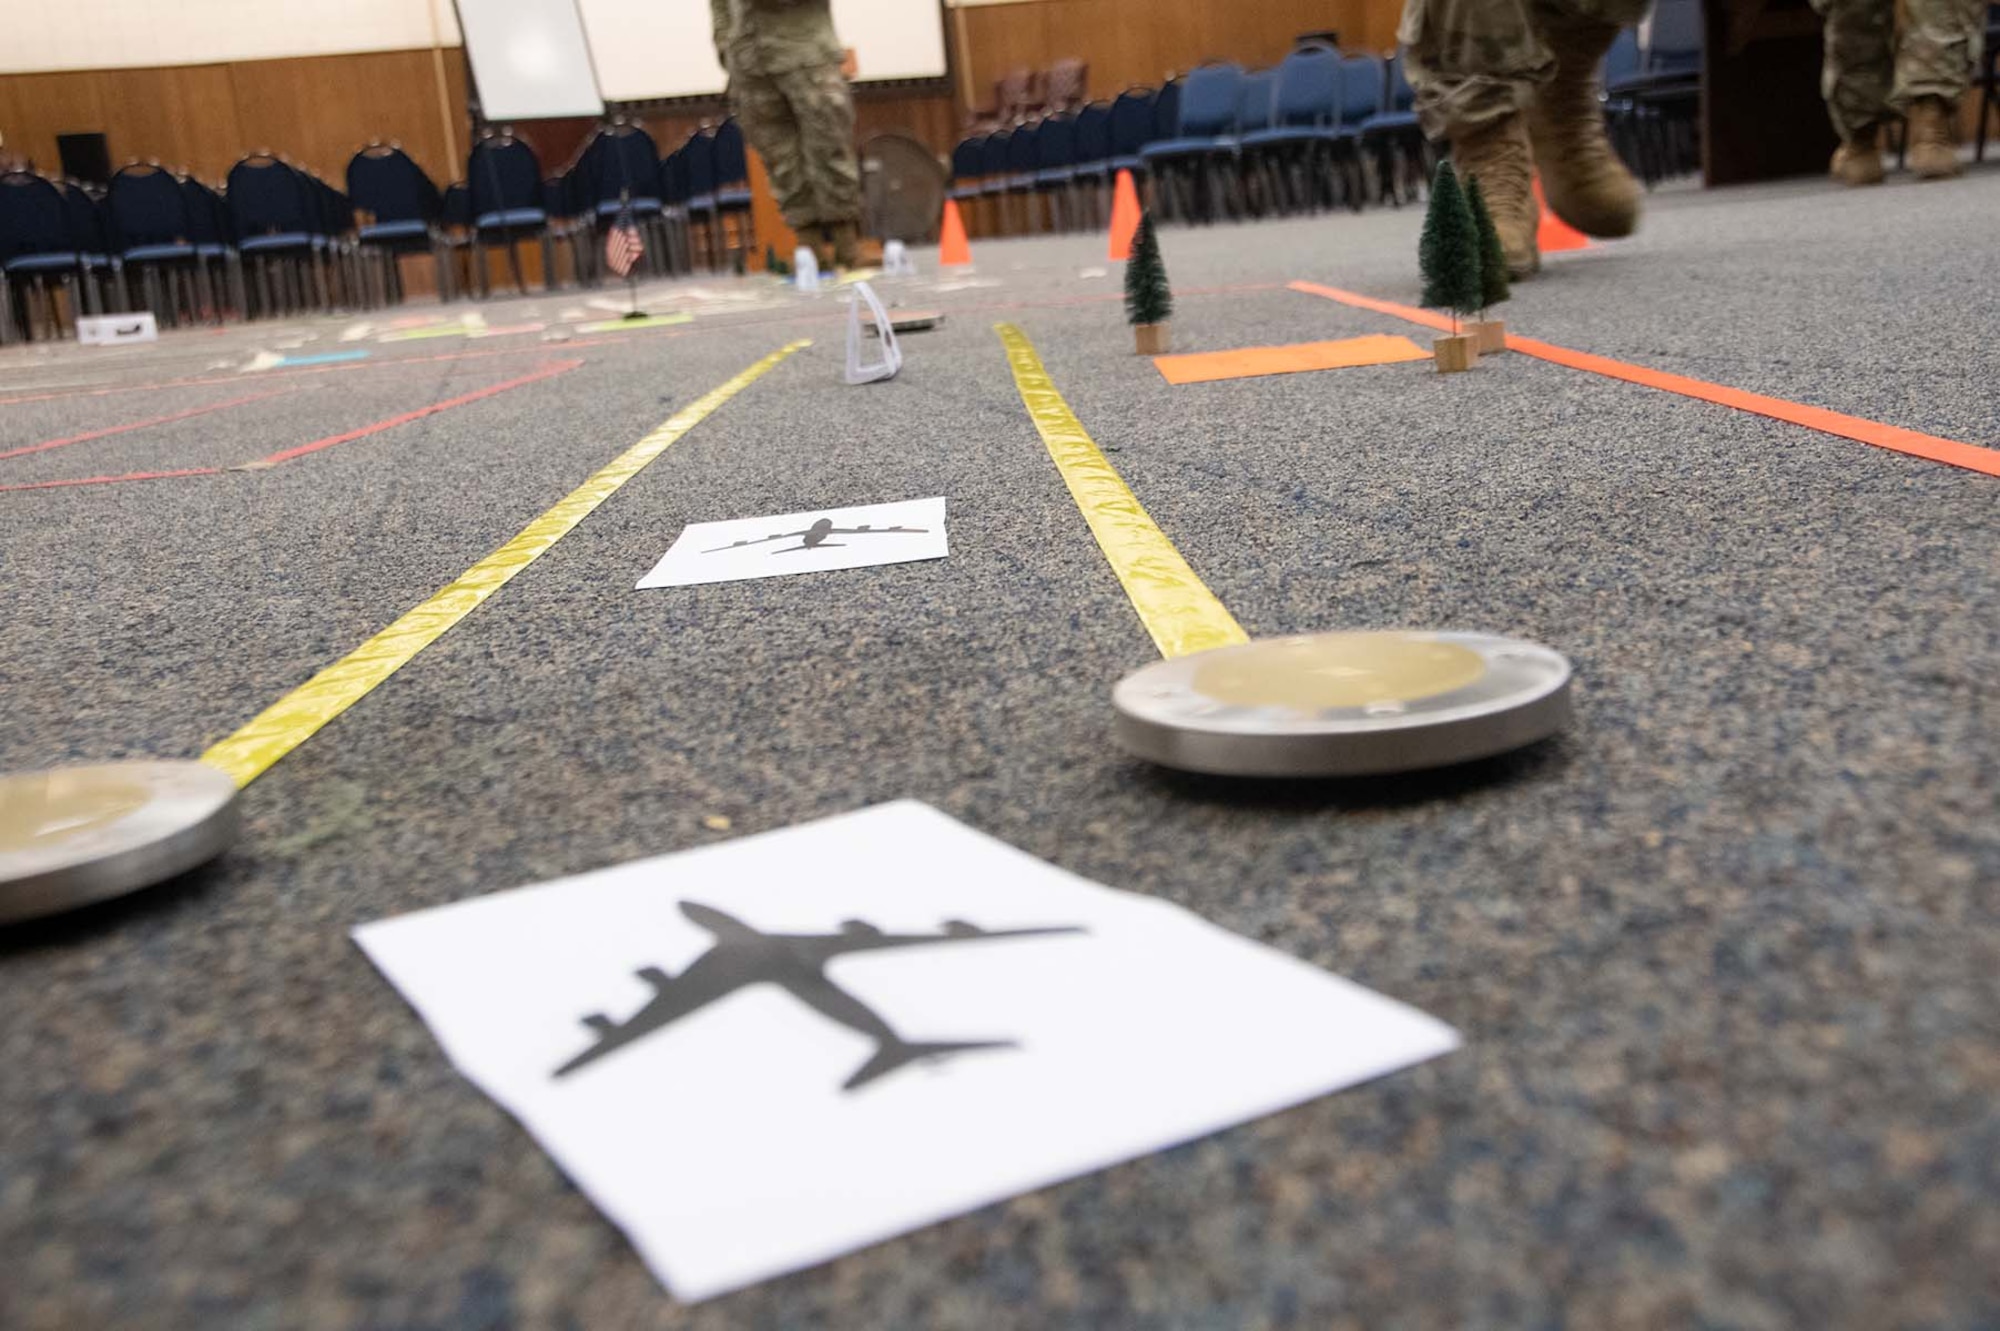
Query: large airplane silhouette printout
[
  {"x": 816, "y": 542},
  {"x": 760, "y": 1055}
]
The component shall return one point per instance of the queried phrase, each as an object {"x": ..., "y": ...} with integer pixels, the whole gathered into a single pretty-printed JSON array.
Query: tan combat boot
[
  {"x": 1858, "y": 161},
  {"x": 1585, "y": 183},
  {"x": 1497, "y": 156},
  {"x": 846, "y": 237},
  {"x": 1934, "y": 139}
]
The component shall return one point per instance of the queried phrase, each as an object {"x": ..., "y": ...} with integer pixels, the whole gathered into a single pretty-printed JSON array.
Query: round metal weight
[
  {"x": 70, "y": 836},
  {"x": 1343, "y": 704}
]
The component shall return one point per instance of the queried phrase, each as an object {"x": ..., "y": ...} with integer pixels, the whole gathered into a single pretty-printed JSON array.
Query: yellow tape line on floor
[
  {"x": 296, "y": 717},
  {"x": 1176, "y": 607}
]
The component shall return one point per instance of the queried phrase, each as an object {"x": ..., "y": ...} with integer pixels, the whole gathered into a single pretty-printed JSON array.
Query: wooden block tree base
[
  {"x": 1455, "y": 353},
  {"x": 1491, "y": 335},
  {"x": 1151, "y": 339}
]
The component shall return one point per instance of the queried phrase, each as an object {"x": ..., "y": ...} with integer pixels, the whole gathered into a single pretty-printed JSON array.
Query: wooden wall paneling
[
  {"x": 199, "y": 103},
  {"x": 1139, "y": 41},
  {"x": 46, "y": 105}
]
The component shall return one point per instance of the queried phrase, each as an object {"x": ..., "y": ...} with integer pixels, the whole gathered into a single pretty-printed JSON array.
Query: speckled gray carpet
[{"x": 1726, "y": 955}]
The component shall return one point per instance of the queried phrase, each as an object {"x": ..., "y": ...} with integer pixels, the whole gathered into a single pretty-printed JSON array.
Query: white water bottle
[{"x": 805, "y": 269}]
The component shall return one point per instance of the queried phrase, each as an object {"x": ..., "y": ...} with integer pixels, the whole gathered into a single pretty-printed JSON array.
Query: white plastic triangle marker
[
  {"x": 805, "y": 269},
  {"x": 892, "y": 355},
  {"x": 896, "y": 260}
]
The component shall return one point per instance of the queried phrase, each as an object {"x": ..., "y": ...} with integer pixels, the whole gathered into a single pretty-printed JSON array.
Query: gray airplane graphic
[
  {"x": 743, "y": 956},
  {"x": 813, "y": 537}
]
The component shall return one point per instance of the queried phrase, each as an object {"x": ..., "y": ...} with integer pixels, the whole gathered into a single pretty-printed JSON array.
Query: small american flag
[{"x": 623, "y": 248}]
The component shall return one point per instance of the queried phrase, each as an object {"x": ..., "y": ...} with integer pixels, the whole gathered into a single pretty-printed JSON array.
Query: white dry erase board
[
  {"x": 530, "y": 59},
  {"x": 649, "y": 49}
]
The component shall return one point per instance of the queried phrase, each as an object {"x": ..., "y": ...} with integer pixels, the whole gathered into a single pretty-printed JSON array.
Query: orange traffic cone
[
  {"x": 953, "y": 252},
  {"x": 1552, "y": 234},
  {"x": 1124, "y": 217}
]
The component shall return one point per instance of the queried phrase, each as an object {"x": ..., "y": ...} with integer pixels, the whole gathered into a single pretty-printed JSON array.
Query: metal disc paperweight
[
  {"x": 1344, "y": 704},
  {"x": 70, "y": 836}
]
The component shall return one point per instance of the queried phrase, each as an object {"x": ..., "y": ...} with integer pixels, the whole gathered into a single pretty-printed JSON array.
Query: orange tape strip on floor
[
  {"x": 1951, "y": 452},
  {"x": 1250, "y": 362}
]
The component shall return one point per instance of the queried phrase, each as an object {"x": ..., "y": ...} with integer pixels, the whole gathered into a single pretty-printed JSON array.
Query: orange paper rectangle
[{"x": 1249, "y": 362}]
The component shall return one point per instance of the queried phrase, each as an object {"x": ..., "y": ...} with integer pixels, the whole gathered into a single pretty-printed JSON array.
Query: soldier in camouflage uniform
[
  {"x": 1868, "y": 76},
  {"x": 1513, "y": 85},
  {"x": 787, "y": 89}
]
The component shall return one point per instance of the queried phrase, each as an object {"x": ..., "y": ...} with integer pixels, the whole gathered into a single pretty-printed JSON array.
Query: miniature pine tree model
[
  {"x": 1448, "y": 254},
  {"x": 1148, "y": 299},
  {"x": 1491, "y": 332}
]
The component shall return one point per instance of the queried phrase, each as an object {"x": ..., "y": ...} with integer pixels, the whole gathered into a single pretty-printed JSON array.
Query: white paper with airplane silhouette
[
  {"x": 814, "y": 542},
  {"x": 761, "y": 1055}
]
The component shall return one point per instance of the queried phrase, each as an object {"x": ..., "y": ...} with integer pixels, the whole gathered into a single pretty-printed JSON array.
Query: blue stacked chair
[
  {"x": 1166, "y": 113},
  {"x": 151, "y": 230},
  {"x": 1055, "y": 170},
  {"x": 732, "y": 190},
  {"x": 1363, "y": 85},
  {"x": 1132, "y": 116},
  {"x": 36, "y": 247},
  {"x": 1254, "y": 109},
  {"x": 1665, "y": 92},
  {"x": 280, "y": 231},
  {"x": 505, "y": 179},
  {"x": 1024, "y": 158},
  {"x": 1396, "y": 141},
  {"x": 337, "y": 235},
  {"x": 208, "y": 228},
  {"x": 572, "y": 209},
  {"x": 97, "y": 257},
  {"x": 1296, "y": 155},
  {"x": 698, "y": 163},
  {"x": 968, "y": 164},
  {"x": 403, "y": 208},
  {"x": 1633, "y": 125},
  {"x": 1192, "y": 170},
  {"x": 674, "y": 190},
  {"x": 620, "y": 173},
  {"x": 994, "y": 178},
  {"x": 455, "y": 220},
  {"x": 1091, "y": 173}
]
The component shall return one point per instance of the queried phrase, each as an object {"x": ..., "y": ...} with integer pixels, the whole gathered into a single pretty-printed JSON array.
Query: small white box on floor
[{"x": 103, "y": 330}]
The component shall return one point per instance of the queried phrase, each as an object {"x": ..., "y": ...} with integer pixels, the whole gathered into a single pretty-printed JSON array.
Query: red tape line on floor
[
  {"x": 105, "y": 433},
  {"x": 546, "y": 372},
  {"x": 1895, "y": 438},
  {"x": 286, "y": 455},
  {"x": 113, "y": 480}
]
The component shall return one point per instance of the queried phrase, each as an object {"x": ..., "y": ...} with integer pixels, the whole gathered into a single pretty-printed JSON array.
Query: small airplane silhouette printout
[
  {"x": 757, "y": 1056},
  {"x": 832, "y": 538}
]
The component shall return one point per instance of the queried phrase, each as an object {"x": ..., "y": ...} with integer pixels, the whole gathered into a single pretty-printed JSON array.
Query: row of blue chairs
[
  {"x": 277, "y": 239},
  {"x": 1320, "y": 129},
  {"x": 161, "y": 241},
  {"x": 693, "y": 204},
  {"x": 1220, "y": 142}
]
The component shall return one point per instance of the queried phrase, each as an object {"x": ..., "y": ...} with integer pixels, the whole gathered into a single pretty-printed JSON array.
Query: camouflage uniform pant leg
[
  {"x": 823, "y": 106},
  {"x": 1472, "y": 62},
  {"x": 770, "y": 127},
  {"x": 1941, "y": 49},
  {"x": 1860, "y": 63}
]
